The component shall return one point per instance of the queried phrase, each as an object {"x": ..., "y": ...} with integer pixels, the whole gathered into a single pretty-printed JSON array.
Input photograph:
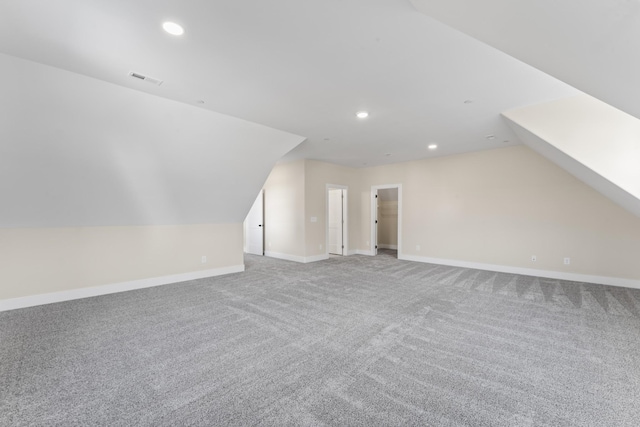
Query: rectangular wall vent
[{"x": 147, "y": 79}]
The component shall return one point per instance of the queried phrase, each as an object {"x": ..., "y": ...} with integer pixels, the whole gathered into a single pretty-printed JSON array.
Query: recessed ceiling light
[
  {"x": 173, "y": 28},
  {"x": 432, "y": 146},
  {"x": 490, "y": 137},
  {"x": 362, "y": 114}
]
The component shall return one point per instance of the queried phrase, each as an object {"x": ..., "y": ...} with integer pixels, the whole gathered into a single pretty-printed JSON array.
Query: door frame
[
  {"x": 345, "y": 222},
  {"x": 373, "y": 248}
]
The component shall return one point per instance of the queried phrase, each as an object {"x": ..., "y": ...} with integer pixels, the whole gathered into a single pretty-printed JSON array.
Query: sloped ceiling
[
  {"x": 76, "y": 151},
  {"x": 305, "y": 67},
  {"x": 592, "y": 45},
  {"x": 594, "y": 141}
]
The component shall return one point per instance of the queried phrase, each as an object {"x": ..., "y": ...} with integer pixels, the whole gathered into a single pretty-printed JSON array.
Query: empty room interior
[{"x": 341, "y": 213}]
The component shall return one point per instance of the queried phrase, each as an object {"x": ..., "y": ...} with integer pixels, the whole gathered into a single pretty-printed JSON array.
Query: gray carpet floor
[{"x": 351, "y": 341}]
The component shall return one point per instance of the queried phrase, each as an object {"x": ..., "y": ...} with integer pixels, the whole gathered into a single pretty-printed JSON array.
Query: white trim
[
  {"x": 352, "y": 252},
  {"x": 49, "y": 298},
  {"x": 315, "y": 258},
  {"x": 297, "y": 258},
  {"x": 574, "y": 277},
  {"x": 383, "y": 246},
  {"x": 364, "y": 252},
  {"x": 285, "y": 257}
]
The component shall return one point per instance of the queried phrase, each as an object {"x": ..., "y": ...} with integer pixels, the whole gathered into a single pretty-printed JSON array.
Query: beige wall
[
  {"x": 503, "y": 206},
  {"x": 318, "y": 175},
  {"x": 296, "y": 192},
  {"x": 496, "y": 207},
  {"x": 43, "y": 260},
  {"x": 284, "y": 204}
]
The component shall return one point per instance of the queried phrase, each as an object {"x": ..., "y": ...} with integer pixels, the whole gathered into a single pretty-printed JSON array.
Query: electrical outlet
[
  {"x": 534, "y": 258},
  {"x": 367, "y": 243},
  {"x": 204, "y": 259},
  {"x": 417, "y": 247},
  {"x": 320, "y": 246},
  {"x": 567, "y": 261}
]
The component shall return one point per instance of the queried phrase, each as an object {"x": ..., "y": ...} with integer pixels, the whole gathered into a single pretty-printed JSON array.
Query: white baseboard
[
  {"x": 364, "y": 252},
  {"x": 286, "y": 257},
  {"x": 574, "y": 277},
  {"x": 297, "y": 258},
  {"x": 41, "y": 299},
  {"x": 383, "y": 246},
  {"x": 303, "y": 260},
  {"x": 315, "y": 258}
]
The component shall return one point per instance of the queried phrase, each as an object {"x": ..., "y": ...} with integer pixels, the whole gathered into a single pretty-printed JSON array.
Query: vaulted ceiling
[
  {"x": 428, "y": 72},
  {"x": 305, "y": 67},
  {"x": 590, "y": 44}
]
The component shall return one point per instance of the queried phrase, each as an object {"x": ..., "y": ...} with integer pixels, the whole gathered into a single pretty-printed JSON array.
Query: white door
[
  {"x": 377, "y": 215},
  {"x": 254, "y": 227},
  {"x": 335, "y": 220}
]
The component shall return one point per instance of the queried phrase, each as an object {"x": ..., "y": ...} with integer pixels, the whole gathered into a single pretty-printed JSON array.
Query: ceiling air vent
[{"x": 147, "y": 79}]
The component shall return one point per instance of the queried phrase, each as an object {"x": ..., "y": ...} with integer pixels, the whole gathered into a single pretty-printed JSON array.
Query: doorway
[
  {"x": 336, "y": 220},
  {"x": 386, "y": 219},
  {"x": 254, "y": 227}
]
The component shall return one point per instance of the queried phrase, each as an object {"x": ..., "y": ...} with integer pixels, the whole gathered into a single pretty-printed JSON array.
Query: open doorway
[
  {"x": 336, "y": 237},
  {"x": 386, "y": 212}
]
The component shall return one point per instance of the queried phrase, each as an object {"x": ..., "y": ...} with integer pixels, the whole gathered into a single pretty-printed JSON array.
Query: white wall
[
  {"x": 284, "y": 215},
  {"x": 102, "y": 184},
  {"x": 594, "y": 141},
  {"x": 77, "y": 151}
]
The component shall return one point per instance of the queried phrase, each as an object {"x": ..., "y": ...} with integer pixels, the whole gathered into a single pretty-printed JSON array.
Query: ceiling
[
  {"x": 305, "y": 67},
  {"x": 129, "y": 159},
  {"x": 589, "y": 44}
]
